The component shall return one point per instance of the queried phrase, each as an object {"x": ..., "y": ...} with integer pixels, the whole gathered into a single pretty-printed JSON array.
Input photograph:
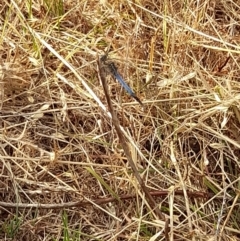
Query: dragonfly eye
[{"x": 103, "y": 58}]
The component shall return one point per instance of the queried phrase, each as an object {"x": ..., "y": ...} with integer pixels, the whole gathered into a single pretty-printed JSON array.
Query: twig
[
  {"x": 116, "y": 124},
  {"x": 99, "y": 201}
]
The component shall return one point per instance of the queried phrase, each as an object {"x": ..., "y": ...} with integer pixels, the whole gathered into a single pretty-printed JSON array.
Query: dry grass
[{"x": 64, "y": 174}]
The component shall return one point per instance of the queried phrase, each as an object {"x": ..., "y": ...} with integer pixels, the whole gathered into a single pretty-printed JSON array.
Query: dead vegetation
[{"x": 64, "y": 172}]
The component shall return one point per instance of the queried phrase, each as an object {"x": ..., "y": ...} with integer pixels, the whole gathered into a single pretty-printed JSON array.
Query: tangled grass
[{"x": 65, "y": 173}]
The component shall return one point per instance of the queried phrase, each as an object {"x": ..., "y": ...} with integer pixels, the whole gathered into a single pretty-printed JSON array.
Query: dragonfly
[{"x": 112, "y": 69}]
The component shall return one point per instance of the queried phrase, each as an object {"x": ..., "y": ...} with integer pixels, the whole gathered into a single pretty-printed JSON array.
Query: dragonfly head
[{"x": 103, "y": 58}]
